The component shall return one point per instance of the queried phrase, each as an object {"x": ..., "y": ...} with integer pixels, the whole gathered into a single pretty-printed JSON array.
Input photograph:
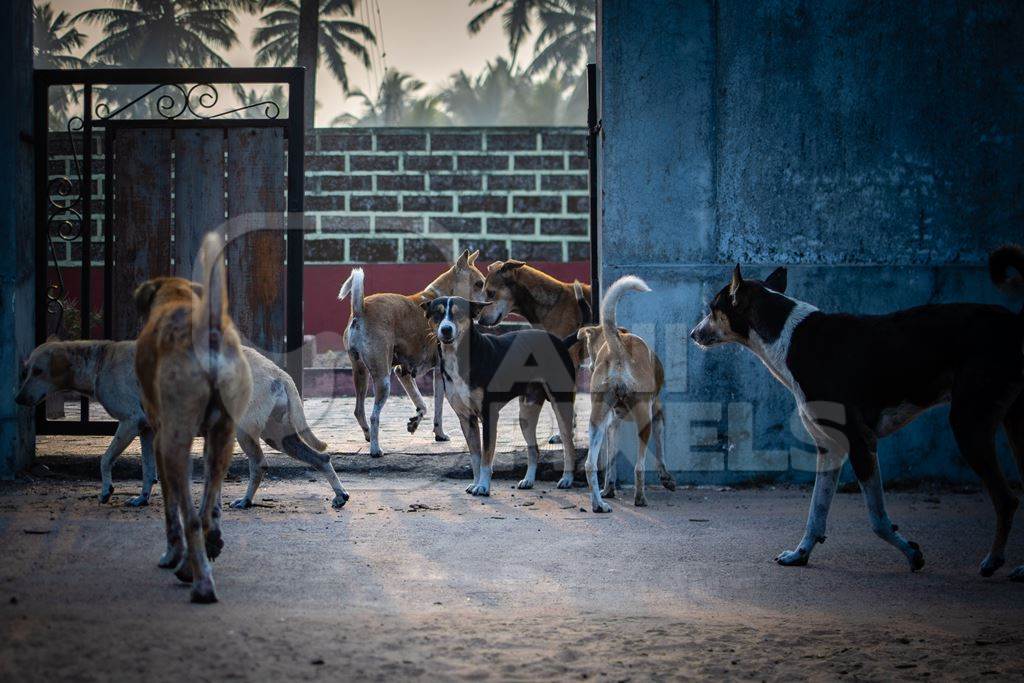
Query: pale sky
[{"x": 427, "y": 38}]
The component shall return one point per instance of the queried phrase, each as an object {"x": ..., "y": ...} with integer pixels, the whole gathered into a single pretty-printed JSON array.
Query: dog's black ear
[
  {"x": 477, "y": 307},
  {"x": 737, "y": 280},
  {"x": 425, "y": 305},
  {"x": 143, "y": 296},
  {"x": 777, "y": 280}
]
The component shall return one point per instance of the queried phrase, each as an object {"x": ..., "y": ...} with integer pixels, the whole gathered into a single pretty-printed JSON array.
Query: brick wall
[
  {"x": 395, "y": 195},
  {"x": 421, "y": 195}
]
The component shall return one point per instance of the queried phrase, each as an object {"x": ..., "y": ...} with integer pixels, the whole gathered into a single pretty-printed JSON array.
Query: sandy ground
[{"x": 414, "y": 579}]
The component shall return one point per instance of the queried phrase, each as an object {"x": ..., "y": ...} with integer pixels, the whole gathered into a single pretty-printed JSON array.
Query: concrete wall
[
  {"x": 874, "y": 148},
  {"x": 17, "y": 320}
]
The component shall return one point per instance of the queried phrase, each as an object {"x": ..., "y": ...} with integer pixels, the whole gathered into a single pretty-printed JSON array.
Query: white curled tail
[
  {"x": 353, "y": 286},
  {"x": 213, "y": 304},
  {"x": 627, "y": 283}
]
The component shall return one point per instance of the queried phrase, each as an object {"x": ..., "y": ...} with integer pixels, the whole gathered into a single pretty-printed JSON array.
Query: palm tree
[
  {"x": 567, "y": 39},
  {"x": 281, "y": 39},
  {"x": 398, "y": 103},
  {"x": 54, "y": 38},
  {"x": 485, "y": 100},
  {"x": 517, "y": 17},
  {"x": 161, "y": 33}
]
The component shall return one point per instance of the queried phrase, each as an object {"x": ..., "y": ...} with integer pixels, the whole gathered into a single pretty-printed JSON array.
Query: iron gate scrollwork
[{"x": 170, "y": 99}]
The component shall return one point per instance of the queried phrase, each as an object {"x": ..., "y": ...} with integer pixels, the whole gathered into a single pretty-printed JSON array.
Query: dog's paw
[
  {"x": 600, "y": 506},
  {"x": 991, "y": 564},
  {"x": 555, "y": 439},
  {"x": 366, "y": 435},
  {"x": 479, "y": 490},
  {"x": 214, "y": 544},
  {"x": 203, "y": 591},
  {"x": 565, "y": 482},
  {"x": 916, "y": 557},
  {"x": 441, "y": 436},
  {"x": 669, "y": 483},
  {"x": 1017, "y": 574},
  {"x": 608, "y": 492},
  {"x": 171, "y": 558},
  {"x": 793, "y": 558},
  {"x": 105, "y": 496},
  {"x": 340, "y": 500},
  {"x": 525, "y": 484},
  {"x": 138, "y": 502},
  {"x": 414, "y": 422},
  {"x": 184, "y": 571},
  {"x": 640, "y": 501},
  {"x": 376, "y": 452},
  {"x": 242, "y": 503}
]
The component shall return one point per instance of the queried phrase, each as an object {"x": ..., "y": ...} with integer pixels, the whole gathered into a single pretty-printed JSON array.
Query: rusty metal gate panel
[
  {"x": 142, "y": 219},
  {"x": 256, "y": 246},
  {"x": 199, "y": 204}
]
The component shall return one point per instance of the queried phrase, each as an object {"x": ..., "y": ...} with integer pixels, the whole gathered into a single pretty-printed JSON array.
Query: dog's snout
[
  {"x": 693, "y": 334},
  {"x": 446, "y": 332}
]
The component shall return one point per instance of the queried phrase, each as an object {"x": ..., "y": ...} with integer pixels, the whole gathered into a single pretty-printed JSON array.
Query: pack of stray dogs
[{"x": 188, "y": 374}]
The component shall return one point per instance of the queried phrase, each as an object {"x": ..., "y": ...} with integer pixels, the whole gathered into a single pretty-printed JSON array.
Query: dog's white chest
[{"x": 463, "y": 400}]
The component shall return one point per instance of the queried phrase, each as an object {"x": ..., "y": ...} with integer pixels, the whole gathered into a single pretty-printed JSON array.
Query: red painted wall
[{"x": 325, "y": 316}]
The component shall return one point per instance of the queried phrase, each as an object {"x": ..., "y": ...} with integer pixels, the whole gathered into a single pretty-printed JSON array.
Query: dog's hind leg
[
  {"x": 148, "y": 469},
  {"x": 257, "y": 468},
  {"x": 439, "y": 433},
  {"x": 642, "y": 417},
  {"x": 175, "y": 552},
  {"x": 974, "y": 420},
  {"x": 601, "y": 418},
  {"x": 216, "y": 459},
  {"x": 359, "y": 379},
  {"x": 489, "y": 434},
  {"x": 408, "y": 383},
  {"x": 381, "y": 391},
  {"x": 609, "y": 455},
  {"x": 529, "y": 413},
  {"x": 658, "y": 434},
  {"x": 1014, "y": 424},
  {"x": 874, "y": 498},
  {"x": 126, "y": 432},
  {"x": 297, "y": 448}
]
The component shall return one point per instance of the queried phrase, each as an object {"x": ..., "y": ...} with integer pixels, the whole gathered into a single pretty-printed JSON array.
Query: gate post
[{"x": 17, "y": 233}]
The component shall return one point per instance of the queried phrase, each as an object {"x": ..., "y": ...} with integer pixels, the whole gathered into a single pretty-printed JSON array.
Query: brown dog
[
  {"x": 389, "y": 331},
  {"x": 194, "y": 380},
  {"x": 626, "y": 380},
  {"x": 559, "y": 307}
]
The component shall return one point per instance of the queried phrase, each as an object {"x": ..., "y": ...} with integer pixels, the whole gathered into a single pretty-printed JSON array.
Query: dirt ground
[{"x": 414, "y": 579}]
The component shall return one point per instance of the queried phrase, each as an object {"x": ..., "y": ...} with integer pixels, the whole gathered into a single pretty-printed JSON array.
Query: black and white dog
[
  {"x": 482, "y": 372},
  {"x": 858, "y": 378}
]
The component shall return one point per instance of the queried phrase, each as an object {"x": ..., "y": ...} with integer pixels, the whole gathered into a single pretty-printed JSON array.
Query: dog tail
[
  {"x": 354, "y": 286},
  {"x": 627, "y": 283},
  {"x": 1001, "y": 261},
  {"x": 298, "y": 416},
  {"x": 215, "y": 284},
  {"x": 583, "y": 303}
]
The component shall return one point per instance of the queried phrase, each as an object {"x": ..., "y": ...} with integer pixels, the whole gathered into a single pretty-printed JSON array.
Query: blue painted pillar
[{"x": 17, "y": 230}]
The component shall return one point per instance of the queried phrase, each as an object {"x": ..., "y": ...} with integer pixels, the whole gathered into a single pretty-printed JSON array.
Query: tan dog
[
  {"x": 389, "y": 331},
  {"x": 105, "y": 370},
  {"x": 626, "y": 380},
  {"x": 194, "y": 379},
  {"x": 559, "y": 307}
]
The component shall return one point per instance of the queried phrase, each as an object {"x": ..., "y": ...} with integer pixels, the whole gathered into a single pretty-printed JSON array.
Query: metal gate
[{"x": 186, "y": 168}]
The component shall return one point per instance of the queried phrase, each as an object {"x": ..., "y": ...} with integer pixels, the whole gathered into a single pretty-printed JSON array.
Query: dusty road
[{"x": 414, "y": 579}]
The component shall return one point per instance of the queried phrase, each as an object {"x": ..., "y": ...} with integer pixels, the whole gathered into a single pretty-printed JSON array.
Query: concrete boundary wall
[{"x": 873, "y": 148}]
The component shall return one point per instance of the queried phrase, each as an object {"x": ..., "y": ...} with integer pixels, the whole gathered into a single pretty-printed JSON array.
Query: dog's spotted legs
[{"x": 439, "y": 433}]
